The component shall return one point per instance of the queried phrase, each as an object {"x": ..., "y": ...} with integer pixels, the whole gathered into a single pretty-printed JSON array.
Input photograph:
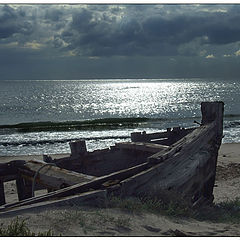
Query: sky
[{"x": 79, "y": 41}]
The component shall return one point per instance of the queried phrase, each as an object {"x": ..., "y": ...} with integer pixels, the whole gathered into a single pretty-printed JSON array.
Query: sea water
[{"x": 54, "y": 112}]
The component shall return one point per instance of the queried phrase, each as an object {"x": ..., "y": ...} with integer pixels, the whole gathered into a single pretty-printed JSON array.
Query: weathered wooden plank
[
  {"x": 2, "y": 194},
  {"x": 157, "y": 135},
  {"x": 185, "y": 174},
  {"x": 52, "y": 177},
  {"x": 139, "y": 146},
  {"x": 169, "y": 133},
  {"x": 82, "y": 187},
  {"x": 43, "y": 180},
  {"x": 196, "y": 137},
  {"x": 9, "y": 169},
  {"x": 7, "y": 178},
  {"x": 189, "y": 167},
  {"x": 147, "y": 137},
  {"x": 93, "y": 198}
]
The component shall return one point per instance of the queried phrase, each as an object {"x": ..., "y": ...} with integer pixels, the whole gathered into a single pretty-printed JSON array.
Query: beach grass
[
  {"x": 153, "y": 205},
  {"x": 224, "y": 212},
  {"x": 18, "y": 228},
  {"x": 89, "y": 220},
  {"x": 120, "y": 216}
]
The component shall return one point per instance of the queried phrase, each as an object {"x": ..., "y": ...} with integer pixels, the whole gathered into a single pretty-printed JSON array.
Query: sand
[{"x": 86, "y": 221}]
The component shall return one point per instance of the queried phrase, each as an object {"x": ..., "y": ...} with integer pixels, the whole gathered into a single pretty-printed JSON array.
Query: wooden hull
[{"x": 185, "y": 170}]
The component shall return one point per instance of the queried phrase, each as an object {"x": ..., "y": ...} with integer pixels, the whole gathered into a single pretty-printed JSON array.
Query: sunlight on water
[
  {"x": 78, "y": 100},
  {"x": 169, "y": 102}
]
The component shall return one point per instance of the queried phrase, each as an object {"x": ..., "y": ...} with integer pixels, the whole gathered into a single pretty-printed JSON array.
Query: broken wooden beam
[
  {"x": 96, "y": 198},
  {"x": 9, "y": 170},
  {"x": 185, "y": 144},
  {"x": 165, "y": 138},
  {"x": 141, "y": 146},
  {"x": 81, "y": 187},
  {"x": 52, "y": 177}
]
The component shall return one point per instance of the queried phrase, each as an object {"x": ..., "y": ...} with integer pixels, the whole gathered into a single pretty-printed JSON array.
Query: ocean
[{"x": 43, "y": 116}]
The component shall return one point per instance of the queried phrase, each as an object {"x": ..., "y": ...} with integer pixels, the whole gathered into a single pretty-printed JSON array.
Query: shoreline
[{"x": 228, "y": 149}]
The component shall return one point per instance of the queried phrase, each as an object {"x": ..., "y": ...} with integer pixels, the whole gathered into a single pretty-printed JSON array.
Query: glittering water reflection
[
  {"x": 169, "y": 102},
  {"x": 76, "y": 100}
]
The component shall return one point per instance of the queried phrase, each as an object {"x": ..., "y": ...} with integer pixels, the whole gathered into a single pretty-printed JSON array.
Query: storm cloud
[{"x": 93, "y": 35}]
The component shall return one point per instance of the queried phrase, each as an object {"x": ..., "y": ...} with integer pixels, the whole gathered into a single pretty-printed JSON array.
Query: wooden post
[
  {"x": 136, "y": 137},
  {"x": 213, "y": 111},
  {"x": 176, "y": 129},
  {"x": 2, "y": 194},
  {"x": 24, "y": 188},
  {"x": 47, "y": 159},
  {"x": 78, "y": 148}
]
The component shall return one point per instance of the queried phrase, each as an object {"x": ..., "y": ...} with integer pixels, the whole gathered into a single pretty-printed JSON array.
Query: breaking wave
[
  {"x": 74, "y": 125},
  {"x": 232, "y": 124},
  {"x": 53, "y": 141},
  {"x": 95, "y": 124}
]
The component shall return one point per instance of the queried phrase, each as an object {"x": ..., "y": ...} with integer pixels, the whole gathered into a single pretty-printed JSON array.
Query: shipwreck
[{"x": 177, "y": 162}]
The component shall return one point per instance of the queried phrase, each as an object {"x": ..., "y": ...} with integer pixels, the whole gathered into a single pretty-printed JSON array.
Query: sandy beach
[{"x": 115, "y": 222}]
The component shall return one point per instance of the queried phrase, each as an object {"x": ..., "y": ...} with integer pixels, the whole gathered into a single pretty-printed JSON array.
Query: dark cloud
[
  {"x": 8, "y": 24},
  {"x": 106, "y": 30},
  {"x": 93, "y": 33},
  {"x": 120, "y": 33},
  {"x": 7, "y": 13},
  {"x": 13, "y": 22},
  {"x": 223, "y": 29},
  {"x": 81, "y": 21},
  {"x": 53, "y": 15}
]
